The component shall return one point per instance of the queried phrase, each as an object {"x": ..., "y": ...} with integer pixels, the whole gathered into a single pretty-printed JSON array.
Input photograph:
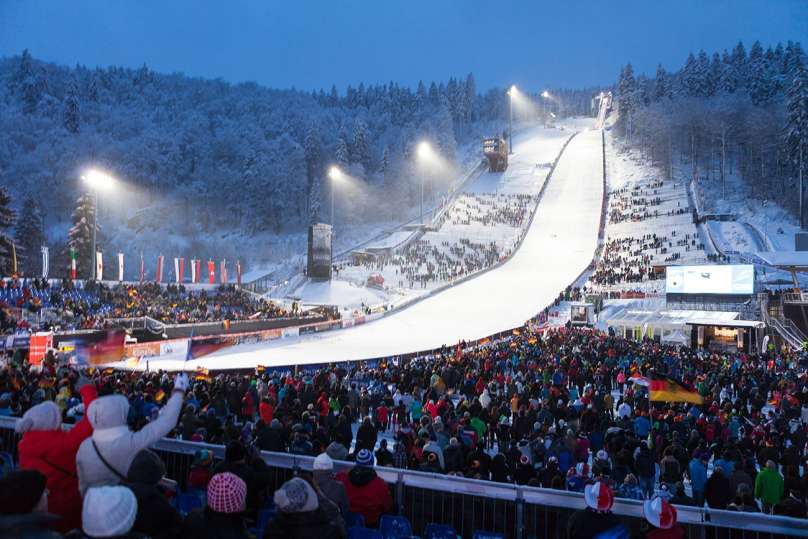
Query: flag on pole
[
  {"x": 238, "y": 273},
  {"x": 176, "y": 269},
  {"x": 194, "y": 271},
  {"x": 182, "y": 269},
  {"x": 73, "y": 270},
  {"x": 44, "y": 261},
  {"x": 120, "y": 266},
  {"x": 13, "y": 259},
  {"x": 223, "y": 271},
  {"x": 212, "y": 271},
  {"x": 662, "y": 388},
  {"x": 99, "y": 266},
  {"x": 159, "y": 276},
  {"x": 142, "y": 268}
]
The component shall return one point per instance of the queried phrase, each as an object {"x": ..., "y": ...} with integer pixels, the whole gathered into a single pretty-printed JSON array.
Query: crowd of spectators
[
  {"x": 553, "y": 409},
  {"x": 66, "y": 306}
]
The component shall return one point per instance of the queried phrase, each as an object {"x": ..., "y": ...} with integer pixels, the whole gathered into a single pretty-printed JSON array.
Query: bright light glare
[
  {"x": 335, "y": 173},
  {"x": 512, "y": 91},
  {"x": 545, "y": 94},
  {"x": 98, "y": 179},
  {"x": 424, "y": 150}
]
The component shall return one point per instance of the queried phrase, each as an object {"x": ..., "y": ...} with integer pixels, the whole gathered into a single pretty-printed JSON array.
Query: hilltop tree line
[
  {"x": 730, "y": 113},
  {"x": 208, "y": 163}
]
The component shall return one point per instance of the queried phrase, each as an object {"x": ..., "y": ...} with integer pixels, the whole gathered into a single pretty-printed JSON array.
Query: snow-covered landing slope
[{"x": 558, "y": 246}]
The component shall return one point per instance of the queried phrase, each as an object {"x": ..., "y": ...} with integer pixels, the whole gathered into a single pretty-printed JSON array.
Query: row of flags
[{"x": 179, "y": 268}]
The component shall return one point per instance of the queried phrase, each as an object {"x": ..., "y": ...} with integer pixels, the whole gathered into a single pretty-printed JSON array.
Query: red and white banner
[
  {"x": 120, "y": 266},
  {"x": 223, "y": 271},
  {"x": 179, "y": 269},
  {"x": 198, "y": 266},
  {"x": 238, "y": 273},
  {"x": 159, "y": 275},
  {"x": 212, "y": 271},
  {"x": 193, "y": 270},
  {"x": 182, "y": 269},
  {"x": 99, "y": 266}
]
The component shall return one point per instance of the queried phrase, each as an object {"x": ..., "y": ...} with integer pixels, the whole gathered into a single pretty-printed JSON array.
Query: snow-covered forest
[
  {"x": 206, "y": 166},
  {"x": 726, "y": 116}
]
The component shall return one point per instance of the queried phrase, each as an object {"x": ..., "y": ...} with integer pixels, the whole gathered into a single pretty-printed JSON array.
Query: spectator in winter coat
[
  {"x": 368, "y": 494},
  {"x": 105, "y": 457},
  {"x": 109, "y": 511},
  {"x": 383, "y": 455},
  {"x": 718, "y": 490},
  {"x": 44, "y": 446},
  {"x": 597, "y": 518},
  {"x": 300, "y": 515},
  {"x": 155, "y": 515},
  {"x": 223, "y": 517},
  {"x": 324, "y": 478},
  {"x": 253, "y": 471},
  {"x": 769, "y": 485},
  {"x": 366, "y": 436},
  {"x": 697, "y": 470},
  {"x": 201, "y": 469},
  {"x": 24, "y": 506},
  {"x": 453, "y": 456},
  {"x": 791, "y": 506}
]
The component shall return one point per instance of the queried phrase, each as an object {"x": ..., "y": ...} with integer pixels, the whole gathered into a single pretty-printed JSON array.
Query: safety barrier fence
[{"x": 468, "y": 505}]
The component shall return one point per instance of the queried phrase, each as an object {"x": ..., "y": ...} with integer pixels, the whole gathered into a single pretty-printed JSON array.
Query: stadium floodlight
[
  {"x": 335, "y": 175},
  {"x": 97, "y": 180},
  {"x": 545, "y": 94},
  {"x": 425, "y": 154},
  {"x": 512, "y": 95}
]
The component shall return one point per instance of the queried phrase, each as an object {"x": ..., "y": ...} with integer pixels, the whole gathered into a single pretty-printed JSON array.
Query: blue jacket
[{"x": 698, "y": 474}]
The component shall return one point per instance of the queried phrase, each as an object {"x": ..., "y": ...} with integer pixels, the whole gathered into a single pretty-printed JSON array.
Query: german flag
[
  {"x": 664, "y": 389},
  {"x": 159, "y": 396},
  {"x": 260, "y": 368}
]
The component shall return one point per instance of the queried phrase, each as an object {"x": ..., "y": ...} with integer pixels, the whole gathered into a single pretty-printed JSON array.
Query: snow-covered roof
[
  {"x": 787, "y": 259},
  {"x": 671, "y": 319}
]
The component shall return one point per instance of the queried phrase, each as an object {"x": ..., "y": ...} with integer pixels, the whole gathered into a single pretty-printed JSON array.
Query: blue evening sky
[{"x": 312, "y": 44}]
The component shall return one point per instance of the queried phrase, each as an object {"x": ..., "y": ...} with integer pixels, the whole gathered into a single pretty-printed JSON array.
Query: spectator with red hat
[
  {"x": 661, "y": 517},
  {"x": 597, "y": 518}
]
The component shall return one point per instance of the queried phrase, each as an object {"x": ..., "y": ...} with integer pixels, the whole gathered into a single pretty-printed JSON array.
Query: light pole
[
  {"x": 511, "y": 93},
  {"x": 335, "y": 175},
  {"x": 545, "y": 96},
  {"x": 96, "y": 180},
  {"x": 424, "y": 153}
]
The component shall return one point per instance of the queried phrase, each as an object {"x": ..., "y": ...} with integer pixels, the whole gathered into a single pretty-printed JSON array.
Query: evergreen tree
[
  {"x": 434, "y": 94},
  {"x": 471, "y": 98},
  {"x": 314, "y": 161},
  {"x": 797, "y": 111},
  {"x": 30, "y": 237},
  {"x": 341, "y": 153},
  {"x": 739, "y": 65},
  {"x": 360, "y": 149},
  {"x": 7, "y": 216},
  {"x": 80, "y": 235},
  {"x": 70, "y": 115},
  {"x": 32, "y": 88},
  {"x": 729, "y": 81},
  {"x": 25, "y": 68},
  {"x": 661, "y": 84},
  {"x": 714, "y": 75},
  {"x": 626, "y": 88}
]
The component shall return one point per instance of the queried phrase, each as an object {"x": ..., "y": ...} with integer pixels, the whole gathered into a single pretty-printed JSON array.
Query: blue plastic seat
[
  {"x": 264, "y": 516},
  {"x": 356, "y": 532},
  {"x": 487, "y": 535},
  {"x": 393, "y": 527},
  {"x": 187, "y": 502},
  {"x": 439, "y": 531},
  {"x": 354, "y": 519}
]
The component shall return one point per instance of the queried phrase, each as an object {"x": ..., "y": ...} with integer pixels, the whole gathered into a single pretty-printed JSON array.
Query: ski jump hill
[{"x": 558, "y": 246}]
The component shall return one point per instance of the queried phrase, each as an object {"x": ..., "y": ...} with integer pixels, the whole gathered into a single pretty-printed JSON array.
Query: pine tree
[
  {"x": 360, "y": 149},
  {"x": 714, "y": 75},
  {"x": 71, "y": 114},
  {"x": 341, "y": 153},
  {"x": 471, "y": 98},
  {"x": 797, "y": 111},
  {"x": 738, "y": 61},
  {"x": 661, "y": 84},
  {"x": 32, "y": 89},
  {"x": 30, "y": 237},
  {"x": 25, "y": 68},
  {"x": 626, "y": 88},
  {"x": 7, "y": 216},
  {"x": 80, "y": 235},
  {"x": 314, "y": 161}
]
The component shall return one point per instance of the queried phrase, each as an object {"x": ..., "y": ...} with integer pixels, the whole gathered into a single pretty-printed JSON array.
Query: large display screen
[{"x": 738, "y": 279}]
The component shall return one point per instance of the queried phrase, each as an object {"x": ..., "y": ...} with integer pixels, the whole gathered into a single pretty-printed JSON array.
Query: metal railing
[{"x": 518, "y": 512}]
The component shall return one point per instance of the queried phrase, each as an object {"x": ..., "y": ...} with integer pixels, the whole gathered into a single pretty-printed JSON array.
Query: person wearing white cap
[
  {"x": 661, "y": 516},
  {"x": 324, "y": 478},
  {"x": 108, "y": 511},
  {"x": 597, "y": 518}
]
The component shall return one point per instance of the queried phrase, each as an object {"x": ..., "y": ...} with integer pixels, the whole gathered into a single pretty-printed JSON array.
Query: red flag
[
  {"x": 182, "y": 269},
  {"x": 238, "y": 273},
  {"x": 159, "y": 276},
  {"x": 212, "y": 271}
]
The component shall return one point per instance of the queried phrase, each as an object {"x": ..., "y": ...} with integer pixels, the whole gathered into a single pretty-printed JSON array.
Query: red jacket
[
  {"x": 53, "y": 452},
  {"x": 368, "y": 494}
]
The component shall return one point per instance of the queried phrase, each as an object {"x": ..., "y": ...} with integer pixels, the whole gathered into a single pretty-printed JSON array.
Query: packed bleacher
[
  {"x": 475, "y": 232},
  {"x": 92, "y": 305},
  {"x": 557, "y": 409}
]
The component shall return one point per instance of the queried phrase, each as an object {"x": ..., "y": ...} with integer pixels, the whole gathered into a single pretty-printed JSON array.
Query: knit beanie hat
[
  {"x": 323, "y": 462},
  {"x": 146, "y": 468},
  {"x": 20, "y": 491},
  {"x": 337, "y": 451},
  {"x": 108, "y": 511},
  {"x": 44, "y": 416},
  {"x": 364, "y": 458},
  {"x": 296, "y": 496},
  {"x": 227, "y": 493}
]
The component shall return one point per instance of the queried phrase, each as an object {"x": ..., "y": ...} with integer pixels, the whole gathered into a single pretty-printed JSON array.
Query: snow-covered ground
[{"x": 558, "y": 246}]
